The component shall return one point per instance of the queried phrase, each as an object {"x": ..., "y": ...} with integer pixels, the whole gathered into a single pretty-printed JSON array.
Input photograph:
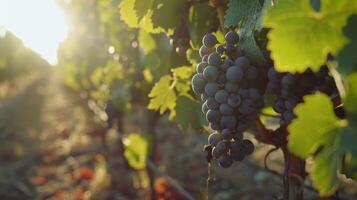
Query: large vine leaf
[
  {"x": 146, "y": 41},
  {"x": 317, "y": 126},
  {"x": 317, "y": 117},
  {"x": 300, "y": 37},
  {"x": 163, "y": 96},
  {"x": 347, "y": 58},
  {"x": 136, "y": 150},
  {"x": 246, "y": 15},
  {"x": 200, "y": 19},
  {"x": 188, "y": 113}
]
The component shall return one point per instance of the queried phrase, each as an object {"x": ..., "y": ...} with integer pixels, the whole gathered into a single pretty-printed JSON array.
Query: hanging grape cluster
[
  {"x": 226, "y": 81},
  {"x": 290, "y": 89}
]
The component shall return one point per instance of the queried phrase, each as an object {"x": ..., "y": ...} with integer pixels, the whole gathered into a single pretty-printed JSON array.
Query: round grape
[
  {"x": 234, "y": 74},
  {"x": 214, "y": 138},
  {"x": 288, "y": 81},
  {"x": 213, "y": 116},
  {"x": 232, "y": 37},
  {"x": 246, "y": 107},
  {"x": 225, "y": 109},
  {"x": 211, "y": 88},
  {"x": 248, "y": 146},
  {"x": 214, "y": 126},
  {"x": 209, "y": 40},
  {"x": 226, "y": 64},
  {"x": 210, "y": 73},
  {"x": 227, "y": 134},
  {"x": 278, "y": 106},
  {"x": 234, "y": 100},
  {"x": 200, "y": 67},
  {"x": 340, "y": 112},
  {"x": 228, "y": 122},
  {"x": 220, "y": 49},
  {"x": 221, "y": 96},
  {"x": 212, "y": 103},
  {"x": 214, "y": 59},
  {"x": 225, "y": 161},
  {"x": 288, "y": 116},
  {"x": 242, "y": 62},
  {"x": 204, "y": 51},
  {"x": 215, "y": 153},
  {"x": 238, "y": 136},
  {"x": 222, "y": 147}
]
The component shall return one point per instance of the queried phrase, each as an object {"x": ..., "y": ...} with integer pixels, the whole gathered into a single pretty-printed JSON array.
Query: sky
[{"x": 39, "y": 23}]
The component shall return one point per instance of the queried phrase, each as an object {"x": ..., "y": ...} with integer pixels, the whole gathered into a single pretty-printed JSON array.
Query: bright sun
[{"x": 39, "y": 23}]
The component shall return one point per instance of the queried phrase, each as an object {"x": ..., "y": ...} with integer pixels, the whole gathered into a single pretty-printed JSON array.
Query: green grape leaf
[
  {"x": 246, "y": 15},
  {"x": 317, "y": 117},
  {"x": 163, "y": 97},
  {"x": 167, "y": 14},
  {"x": 188, "y": 113},
  {"x": 200, "y": 19},
  {"x": 300, "y": 37},
  {"x": 316, "y": 127},
  {"x": 142, "y": 7},
  {"x": 136, "y": 150},
  {"x": 127, "y": 13},
  {"x": 183, "y": 72},
  {"x": 347, "y": 59},
  {"x": 146, "y": 41}
]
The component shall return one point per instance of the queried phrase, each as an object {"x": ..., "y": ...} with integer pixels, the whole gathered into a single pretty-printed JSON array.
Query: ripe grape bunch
[
  {"x": 226, "y": 81},
  {"x": 290, "y": 89}
]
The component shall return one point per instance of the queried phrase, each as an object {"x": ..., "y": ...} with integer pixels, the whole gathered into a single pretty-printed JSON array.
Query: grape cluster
[
  {"x": 290, "y": 89},
  {"x": 225, "y": 79}
]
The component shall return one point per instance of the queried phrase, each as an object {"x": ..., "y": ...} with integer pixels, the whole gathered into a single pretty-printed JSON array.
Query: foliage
[{"x": 124, "y": 52}]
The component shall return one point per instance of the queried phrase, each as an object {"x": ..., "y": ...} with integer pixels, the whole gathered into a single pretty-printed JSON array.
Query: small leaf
[
  {"x": 183, "y": 72},
  {"x": 300, "y": 37},
  {"x": 127, "y": 13},
  {"x": 146, "y": 41},
  {"x": 136, "y": 150},
  {"x": 163, "y": 97}
]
